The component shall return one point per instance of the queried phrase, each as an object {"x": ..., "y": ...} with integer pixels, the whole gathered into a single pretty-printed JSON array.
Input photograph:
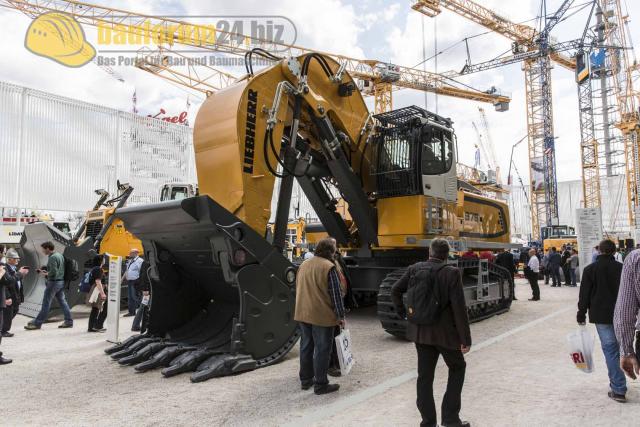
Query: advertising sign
[
  {"x": 589, "y": 221},
  {"x": 113, "y": 309}
]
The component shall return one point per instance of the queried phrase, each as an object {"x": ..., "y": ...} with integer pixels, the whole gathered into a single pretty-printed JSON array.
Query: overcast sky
[{"x": 385, "y": 30}]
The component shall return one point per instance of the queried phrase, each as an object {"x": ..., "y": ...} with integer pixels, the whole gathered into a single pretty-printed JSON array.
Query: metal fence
[{"x": 55, "y": 151}]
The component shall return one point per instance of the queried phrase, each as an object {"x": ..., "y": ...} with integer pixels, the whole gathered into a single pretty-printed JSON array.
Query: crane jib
[{"x": 250, "y": 131}]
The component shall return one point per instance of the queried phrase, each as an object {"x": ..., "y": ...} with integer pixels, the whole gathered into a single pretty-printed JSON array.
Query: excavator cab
[{"x": 414, "y": 154}]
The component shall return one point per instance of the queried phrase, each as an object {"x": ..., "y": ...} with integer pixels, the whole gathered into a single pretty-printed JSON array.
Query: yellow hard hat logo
[{"x": 59, "y": 37}]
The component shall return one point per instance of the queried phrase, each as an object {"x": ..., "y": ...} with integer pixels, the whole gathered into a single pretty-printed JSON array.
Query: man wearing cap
[
  {"x": 132, "y": 277},
  {"x": 14, "y": 292}
]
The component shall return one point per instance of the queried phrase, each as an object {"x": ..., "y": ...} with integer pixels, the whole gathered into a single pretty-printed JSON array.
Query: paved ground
[{"x": 518, "y": 374}]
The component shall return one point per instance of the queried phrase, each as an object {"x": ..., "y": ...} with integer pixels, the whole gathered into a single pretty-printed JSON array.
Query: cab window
[{"x": 437, "y": 153}]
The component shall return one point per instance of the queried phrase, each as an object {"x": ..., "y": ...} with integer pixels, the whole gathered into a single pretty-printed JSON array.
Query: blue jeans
[
  {"x": 611, "y": 350},
  {"x": 133, "y": 297},
  {"x": 315, "y": 353},
  {"x": 54, "y": 289},
  {"x": 572, "y": 273}
]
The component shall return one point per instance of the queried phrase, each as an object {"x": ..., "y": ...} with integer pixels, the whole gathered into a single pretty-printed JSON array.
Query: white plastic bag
[
  {"x": 345, "y": 357},
  {"x": 581, "y": 349}
]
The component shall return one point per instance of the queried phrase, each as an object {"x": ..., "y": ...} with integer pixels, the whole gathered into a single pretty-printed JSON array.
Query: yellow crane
[
  {"x": 381, "y": 76},
  {"x": 622, "y": 71},
  {"x": 537, "y": 67}
]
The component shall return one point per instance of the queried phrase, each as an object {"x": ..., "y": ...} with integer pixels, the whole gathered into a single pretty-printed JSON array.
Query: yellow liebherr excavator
[{"x": 223, "y": 296}]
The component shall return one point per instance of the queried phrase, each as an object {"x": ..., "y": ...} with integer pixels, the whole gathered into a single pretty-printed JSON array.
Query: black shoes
[
  {"x": 31, "y": 326},
  {"x": 4, "y": 361},
  {"x": 460, "y": 424},
  {"x": 135, "y": 329},
  {"x": 129, "y": 315},
  {"x": 306, "y": 385},
  {"x": 65, "y": 325},
  {"x": 7, "y": 335},
  {"x": 96, "y": 330},
  {"x": 620, "y": 398},
  {"x": 534, "y": 299},
  {"x": 334, "y": 372},
  {"x": 326, "y": 389}
]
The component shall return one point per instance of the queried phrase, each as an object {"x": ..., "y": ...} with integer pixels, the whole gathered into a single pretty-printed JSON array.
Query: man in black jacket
[
  {"x": 4, "y": 283},
  {"x": 449, "y": 335},
  {"x": 555, "y": 260},
  {"x": 598, "y": 295},
  {"x": 506, "y": 261},
  {"x": 566, "y": 266},
  {"x": 15, "y": 291}
]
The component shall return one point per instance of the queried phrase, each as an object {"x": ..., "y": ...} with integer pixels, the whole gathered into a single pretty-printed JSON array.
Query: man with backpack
[
  {"x": 438, "y": 325},
  {"x": 54, "y": 274}
]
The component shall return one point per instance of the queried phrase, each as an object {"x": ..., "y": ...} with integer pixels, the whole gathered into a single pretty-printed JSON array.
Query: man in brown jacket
[
  {"x": 319, "y": 309},
  {"x": 449, "y": 335}
]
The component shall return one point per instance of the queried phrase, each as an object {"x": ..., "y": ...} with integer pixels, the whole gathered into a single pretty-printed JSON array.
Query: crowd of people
[
  {"x": 429, "y": 295},
  {"x": 610, "y": 293},
  {"x": 550, "y": 265},
  {"x": 12, "y": 290}
]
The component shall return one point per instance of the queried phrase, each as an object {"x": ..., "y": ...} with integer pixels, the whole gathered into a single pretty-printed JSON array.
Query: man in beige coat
[{"x": 319, "y": 308}]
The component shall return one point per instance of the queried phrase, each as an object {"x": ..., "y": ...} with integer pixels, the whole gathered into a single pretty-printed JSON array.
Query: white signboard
[
  {"x": 589, "y": 221},
  {"x": 11, "y": 234},
  {"x": 113, "y": 311}
]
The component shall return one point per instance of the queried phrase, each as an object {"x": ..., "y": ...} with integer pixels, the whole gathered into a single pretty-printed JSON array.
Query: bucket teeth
[
  {"x": 124, "y": 344},
  {"x": 186, "y": 362},
  {"x": 131, "y": 349},
  {"x": 220, "y": 365},
  {"x": 144, "y": 353},
  {"x": 162, "y": 358}
]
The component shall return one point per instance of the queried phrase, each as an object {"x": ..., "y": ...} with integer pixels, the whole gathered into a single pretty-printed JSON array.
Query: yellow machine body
[{"x": 117, "y": 240}]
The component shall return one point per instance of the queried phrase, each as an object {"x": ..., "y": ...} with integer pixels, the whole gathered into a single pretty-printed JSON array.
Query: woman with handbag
[{"x": 96, "y": 296}]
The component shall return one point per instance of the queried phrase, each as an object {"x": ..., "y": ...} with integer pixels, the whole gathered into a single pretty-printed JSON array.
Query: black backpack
[
  {"x": 71, "y": 270},
  {"x": 426, "y": 298}
]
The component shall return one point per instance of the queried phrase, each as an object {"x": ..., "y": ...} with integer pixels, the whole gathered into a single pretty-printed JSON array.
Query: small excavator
[
  {"x": 100, "y": 232},
  {"x": 223, "y": 295}
]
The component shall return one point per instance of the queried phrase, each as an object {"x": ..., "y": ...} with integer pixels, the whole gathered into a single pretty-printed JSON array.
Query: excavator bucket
[
  {"x": 34, "y": 284},
  {"x": 222, "y": 297}
]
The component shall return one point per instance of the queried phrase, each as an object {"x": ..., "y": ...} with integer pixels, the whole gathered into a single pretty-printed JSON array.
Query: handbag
[
  {"x": 345, "y": 357},
  {"x": 95, "y": 295}
]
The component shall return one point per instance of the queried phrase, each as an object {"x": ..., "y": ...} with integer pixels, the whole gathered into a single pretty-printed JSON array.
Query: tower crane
[
  {"x": 490, "y": 147},
  {"x": 532, "y": 46},
  {"x": 382, "y": 77},
  {"x": 624, "y": 72}
]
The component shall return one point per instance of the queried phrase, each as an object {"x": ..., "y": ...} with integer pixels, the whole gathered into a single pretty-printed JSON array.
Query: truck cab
[{"x": 178, "y": 191}]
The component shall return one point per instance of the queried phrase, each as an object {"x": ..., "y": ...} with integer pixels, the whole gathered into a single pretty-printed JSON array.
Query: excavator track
[{"x": 501, "y": 283}]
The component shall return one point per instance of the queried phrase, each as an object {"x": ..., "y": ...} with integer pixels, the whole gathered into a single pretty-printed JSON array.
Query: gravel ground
[{"x": 519, "y": 374}]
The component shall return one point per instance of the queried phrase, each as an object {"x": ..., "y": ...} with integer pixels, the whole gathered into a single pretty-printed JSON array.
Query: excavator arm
[{"x": 302, "y": 119}]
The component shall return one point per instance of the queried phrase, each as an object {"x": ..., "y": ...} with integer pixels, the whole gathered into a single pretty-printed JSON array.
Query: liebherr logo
[{"x": 250, "y": 131}]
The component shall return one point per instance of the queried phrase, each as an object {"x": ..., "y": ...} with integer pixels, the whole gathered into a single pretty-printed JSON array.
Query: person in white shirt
[
  {"x": 618, "y": 256},
  {"x": 531, "y": 272},
  {"x": 132, "y": 277}
]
